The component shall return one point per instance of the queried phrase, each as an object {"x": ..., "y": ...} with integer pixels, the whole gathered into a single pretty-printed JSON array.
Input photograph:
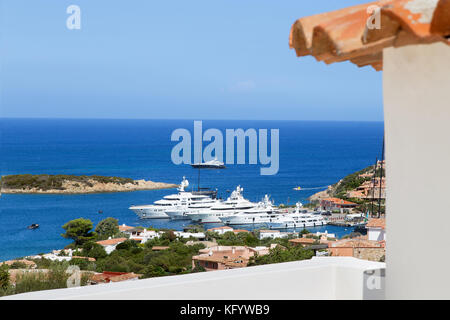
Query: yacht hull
[
  {"x": 177, "y": 215},
  {"x": 251, "y": 218},
  {"x": 149, "y": 213},
  {"x": 294, "y": 225}
]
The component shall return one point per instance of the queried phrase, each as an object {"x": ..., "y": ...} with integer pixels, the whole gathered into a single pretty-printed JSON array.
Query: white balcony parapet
[{"x": 318, "y": 278}]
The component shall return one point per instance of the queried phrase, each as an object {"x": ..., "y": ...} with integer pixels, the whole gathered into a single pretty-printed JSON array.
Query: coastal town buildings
[
  {"x": 376, "y": 229},
  {"x": 311, "y": 238},
  {"x": 323, "y": 235},
  {"x": 371, "y": 189},
  {"x": 360, "y": 248},
  {"x": 271, "y": 234},
  {"x": 143, "y": 235},
  {"x": 221, "y": 230},
  {"x": 226, "y": 257},
  {"x": 336, "y": 204},
  {"x": 222, "y": 257},
  {"x": 111, "y": 244},
  {"x": 125, "y": 229},
  {"x": 303, "y": 241},
  {"x": 187, "y": 235}
]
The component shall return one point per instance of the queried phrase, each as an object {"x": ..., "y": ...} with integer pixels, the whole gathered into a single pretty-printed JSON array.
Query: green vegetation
[
  {"x": 4, "y": 277},
  {"x": 106, "y": 228},
  {"x": 304, "y": 231},
  {"x": 55, "y": 182},
  {"x": 18, "y": 265},
  {"x": 55, "y": 277},
  {"x": 79, "y": 230},
  {"x": 240, "y": 239},
  {"x": 282, "y": 254},
  {"x": 131, "y": 256},
  {"x": 247, "y": 239},
  {"x": 93, "y": 250},
  {"x": 351, "y": 182}
]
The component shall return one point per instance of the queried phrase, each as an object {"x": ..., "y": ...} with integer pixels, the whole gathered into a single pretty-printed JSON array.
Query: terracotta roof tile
[
  {"x": 338, "y": 201},
  {"x": 376, "y": 223},
  {"x": 303, "y": 240},
  {"x": 269, "y": 231},
  {"x": 358, "y": 243},
  {"x": 235, "y": 260},
  {"x": 108, "y": 276},
  {"x": 240, "y": 230},
  {"x": 344, "y": 35},
  {"x": 440, "y": 23},
  {"x": 125, "y": 228},
  {"x": 111, "y": 241}
]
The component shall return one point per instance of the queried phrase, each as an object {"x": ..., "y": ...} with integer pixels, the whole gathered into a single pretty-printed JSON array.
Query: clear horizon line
[{"x": 190, "y": 119}]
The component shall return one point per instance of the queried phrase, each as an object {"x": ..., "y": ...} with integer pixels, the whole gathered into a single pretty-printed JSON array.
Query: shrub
[
  {"x": 4, "y": 277},
  {"x": 106, "y": 228},
  {"x": 127, "y": 245},
  {"x": 18, "y": 265},
  {"x": 94, "y": 250},
  {"x": 79, "y": 230}
]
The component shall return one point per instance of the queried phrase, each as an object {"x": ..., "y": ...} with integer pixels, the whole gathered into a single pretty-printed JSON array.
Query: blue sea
[{"x": 312, "y": 155}]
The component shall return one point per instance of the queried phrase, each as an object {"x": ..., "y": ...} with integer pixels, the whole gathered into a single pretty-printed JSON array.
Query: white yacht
[
  {"x": 234, "y": 204},
  {"x": 158, "y": 209},
  {"x": 182, "y": 211},
  {"x": 297, "y": 220},
  {"x": 262, "y": 213},
  {"x": 211, "y": 164}
]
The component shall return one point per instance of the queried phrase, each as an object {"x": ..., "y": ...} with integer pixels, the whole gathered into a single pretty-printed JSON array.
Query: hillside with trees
[{"x": 47, "y": 183}]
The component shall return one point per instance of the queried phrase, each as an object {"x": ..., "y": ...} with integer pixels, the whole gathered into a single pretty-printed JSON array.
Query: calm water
[{"x": 312, "y": 154}]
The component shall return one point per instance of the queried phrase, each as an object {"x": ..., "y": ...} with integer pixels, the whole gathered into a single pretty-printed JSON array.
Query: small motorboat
[
  {"x": 33, "y": 226},
  {"x": 297, "y": 188}
]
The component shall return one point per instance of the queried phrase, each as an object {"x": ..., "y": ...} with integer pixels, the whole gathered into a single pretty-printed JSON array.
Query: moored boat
[
  {"x": 158, "y": 209},
  {"x": 297, "y": 220}
]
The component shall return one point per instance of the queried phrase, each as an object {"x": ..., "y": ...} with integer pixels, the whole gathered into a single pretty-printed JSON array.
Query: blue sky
[{"x": 199, "y": 59}]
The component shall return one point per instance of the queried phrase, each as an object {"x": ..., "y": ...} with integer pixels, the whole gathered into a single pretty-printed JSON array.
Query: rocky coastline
[{"x": 79, "y": 185}]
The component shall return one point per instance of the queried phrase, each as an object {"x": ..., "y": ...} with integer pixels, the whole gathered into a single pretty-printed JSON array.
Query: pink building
[{"x": 226, "y": 257}]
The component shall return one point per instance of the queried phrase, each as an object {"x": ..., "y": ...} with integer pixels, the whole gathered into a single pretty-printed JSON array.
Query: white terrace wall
[{"x": 416, "y": 84}]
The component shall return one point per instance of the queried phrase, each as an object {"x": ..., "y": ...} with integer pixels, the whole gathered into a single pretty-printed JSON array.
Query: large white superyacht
[
  {"x": 297, "y": 219},
  {"x": 184, "y": 209},
  {"x": 234, "y": 204},
  {"x": 262, "y": 213},
  {"x": 158, "y": 209}
]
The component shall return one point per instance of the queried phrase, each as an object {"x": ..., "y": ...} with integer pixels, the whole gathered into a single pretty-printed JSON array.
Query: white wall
[
  {"x": 318, "y": 278},
  {"x": 110, "y": 248},
  {"x": 416, "y": 84},
  {"x": 376, "y": 234}
]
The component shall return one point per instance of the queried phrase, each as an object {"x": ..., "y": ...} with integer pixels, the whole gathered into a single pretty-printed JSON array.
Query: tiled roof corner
[
  {"x": 376, "y": 223},
  {"x": 440, "y": 23},
  {"x": 344, "y": 34}
]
